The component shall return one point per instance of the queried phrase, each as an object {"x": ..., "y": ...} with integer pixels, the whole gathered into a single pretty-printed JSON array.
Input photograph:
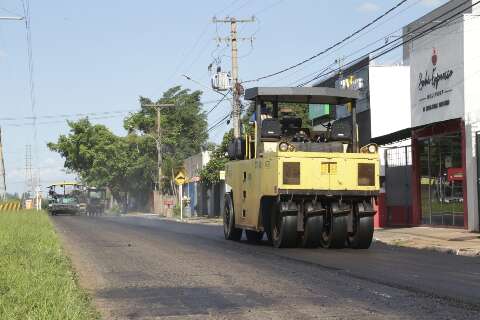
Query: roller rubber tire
[
  {"x": 229, "y": 230},
  {"x": 284, "y": 231},
  {"x": 313, "y": 232},
  {"x": 335, "y": 236},
  {"x": 254, "y": 236},
  {"x": 362, "y": 238}
]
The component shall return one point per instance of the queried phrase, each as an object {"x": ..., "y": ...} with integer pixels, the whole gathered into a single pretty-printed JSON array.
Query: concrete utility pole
[
  {"x": 28, "y": 172},
  {"x": 236, "y": 86},
  {"x": 3, "y": 186},
  {"x": 158, "y": 141}
]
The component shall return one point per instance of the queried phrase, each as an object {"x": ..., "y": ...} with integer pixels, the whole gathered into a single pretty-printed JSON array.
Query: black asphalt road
[{"x": 145, "y": 268}]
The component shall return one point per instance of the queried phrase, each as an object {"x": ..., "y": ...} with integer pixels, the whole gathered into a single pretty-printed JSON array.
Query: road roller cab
[{"x": 297, "y": 185}]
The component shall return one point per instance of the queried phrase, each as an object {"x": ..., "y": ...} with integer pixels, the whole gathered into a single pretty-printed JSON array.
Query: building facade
[
  {"x": 382, "y": 110},
  {"x": 425, "y": 115},
  {"x": 445, "y": 114}
]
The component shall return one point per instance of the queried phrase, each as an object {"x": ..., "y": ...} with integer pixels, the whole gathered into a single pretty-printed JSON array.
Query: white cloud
[{"x": 368, "y": 7}]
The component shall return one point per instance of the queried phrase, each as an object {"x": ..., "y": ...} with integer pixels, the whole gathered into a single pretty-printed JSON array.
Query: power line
[
  {"x": 59, "y": 121},
  {"x": 326, "y": 69},
  {"x": 352, "y": 41},
  {"x": 268, "y": 7},
  {"x": 69, "y": 115},
  {"x": 393, "y": 46},
  {"x": 219, "y": 122},
  {"x": 331, "y": 47},
  {"x": 218, "y": 103},
  {"x": 42, "y": 167},
  {"x": 187, "y": 53},
  {"x": 239, "y": 8},
  {"x": 31, "y": 69},
  {"x": 10, "y": 11},
  {"x": 209, "y": 102}
]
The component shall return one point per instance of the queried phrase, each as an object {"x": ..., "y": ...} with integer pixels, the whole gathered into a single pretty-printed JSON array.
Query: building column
[
  {"x": 470, "y": 178},
  {"x": 416, "y": 196}
]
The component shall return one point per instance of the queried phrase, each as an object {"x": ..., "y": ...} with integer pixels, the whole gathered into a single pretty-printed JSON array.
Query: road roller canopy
[
  {"x": 280, "y": 123},
  {"x": 61, "y": 184},
  {"x": 64, "y": 188},
  {"x": 310, "y": 95}
]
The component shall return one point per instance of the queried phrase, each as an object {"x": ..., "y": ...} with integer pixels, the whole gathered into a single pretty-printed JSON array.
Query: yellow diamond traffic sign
[{"x": 180, "y": 177}]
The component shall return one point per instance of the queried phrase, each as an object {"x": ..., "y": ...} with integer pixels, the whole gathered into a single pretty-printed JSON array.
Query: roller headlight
[
  {"x": 291, "y": 147},
  {"x": 369, "y": 148},
  {"x": 283, "y": 146}
]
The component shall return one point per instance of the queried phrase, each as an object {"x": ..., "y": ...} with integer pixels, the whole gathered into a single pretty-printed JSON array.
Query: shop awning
[
  {"x": 313, "y": 95},
  {"x": 393, "y": 137}
]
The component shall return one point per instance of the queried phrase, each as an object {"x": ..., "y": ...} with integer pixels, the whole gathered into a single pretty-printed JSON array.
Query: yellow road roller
[{"x": 298, "y": 186}]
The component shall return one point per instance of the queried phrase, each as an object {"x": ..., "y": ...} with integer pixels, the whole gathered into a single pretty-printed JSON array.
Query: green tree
[
  {"x": 127, "y": 165},
  {"x": 210, "y": 174},
  {"x": 123, "y": 164},
  {"x": 183, "y": 127}
]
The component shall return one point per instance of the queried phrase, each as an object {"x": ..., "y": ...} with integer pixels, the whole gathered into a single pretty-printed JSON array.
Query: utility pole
[
  {"x": 28, "y": 171},
  {"x": 3, "y": 186},
  {"x": 236, "y": 86},
  {"x": 158, "y": 143}
]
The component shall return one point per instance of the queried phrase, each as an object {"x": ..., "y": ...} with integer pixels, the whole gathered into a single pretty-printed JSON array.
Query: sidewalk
[
  {"x": 448, "y": 240},
  {"x": 194, "y": 220}
]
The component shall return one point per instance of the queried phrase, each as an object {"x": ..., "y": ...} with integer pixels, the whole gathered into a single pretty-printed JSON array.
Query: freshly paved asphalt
[{"x": 143, "y": 268}]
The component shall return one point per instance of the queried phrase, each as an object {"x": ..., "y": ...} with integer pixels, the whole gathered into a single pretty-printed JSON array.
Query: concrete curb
[
  {"x": 465, "y": 252},
  {"x": 196, "y": 220}
]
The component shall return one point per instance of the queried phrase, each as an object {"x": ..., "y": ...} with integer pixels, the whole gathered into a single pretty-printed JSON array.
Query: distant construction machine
[{"x": 66, "y": 198}]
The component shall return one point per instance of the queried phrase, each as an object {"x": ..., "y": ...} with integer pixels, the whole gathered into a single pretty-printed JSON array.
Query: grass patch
[{"x": 36, "y": 278}]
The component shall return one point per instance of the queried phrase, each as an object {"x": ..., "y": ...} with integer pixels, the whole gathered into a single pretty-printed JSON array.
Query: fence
[{"x": 398, "y": 178}]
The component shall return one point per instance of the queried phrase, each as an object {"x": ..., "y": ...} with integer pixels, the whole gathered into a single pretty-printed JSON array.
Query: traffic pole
[{"x": 180, "y": 195}]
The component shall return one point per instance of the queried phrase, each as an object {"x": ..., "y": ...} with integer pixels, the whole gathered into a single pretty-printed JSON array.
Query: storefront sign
[
  {"x": 455, "y": 174},
  {"x": 351, "y": 83},
  {"x": 437, "y": 76}
]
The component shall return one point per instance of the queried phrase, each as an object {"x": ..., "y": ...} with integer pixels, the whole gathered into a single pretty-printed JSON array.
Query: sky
[{"x": 98, "y": 57}]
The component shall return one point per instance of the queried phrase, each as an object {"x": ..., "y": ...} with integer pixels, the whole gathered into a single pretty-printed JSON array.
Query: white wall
[
  {"x": 472, "y": 112},
  {"x": 195, "y": 163},
  {"x": 389, "y": 99}
]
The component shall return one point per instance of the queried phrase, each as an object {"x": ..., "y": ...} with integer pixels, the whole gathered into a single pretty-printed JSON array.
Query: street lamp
[{"x": 12, "y": 18}]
